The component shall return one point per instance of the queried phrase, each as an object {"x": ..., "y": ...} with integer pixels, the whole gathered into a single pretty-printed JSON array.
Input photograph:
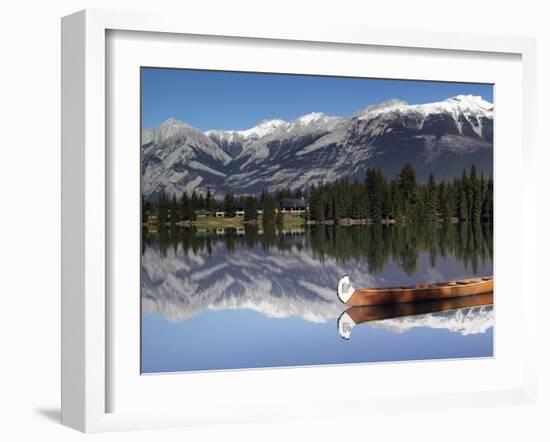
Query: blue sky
[{"x": 236, "y": 100}]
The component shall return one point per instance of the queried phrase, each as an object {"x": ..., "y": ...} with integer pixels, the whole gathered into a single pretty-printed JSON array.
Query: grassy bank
[{"x": 212, "y": 222}]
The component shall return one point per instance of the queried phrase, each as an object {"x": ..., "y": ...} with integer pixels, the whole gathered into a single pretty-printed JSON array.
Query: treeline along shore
[{"x": 375, "y": 200}]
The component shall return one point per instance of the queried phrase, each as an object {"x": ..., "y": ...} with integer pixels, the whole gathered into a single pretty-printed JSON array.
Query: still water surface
[{"x": 251, "y": 298}]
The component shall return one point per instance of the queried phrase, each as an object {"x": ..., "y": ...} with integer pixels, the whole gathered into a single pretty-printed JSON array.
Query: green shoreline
[
  {"x": 212, "y": 222},
  {"x": 289, "y": 221}
]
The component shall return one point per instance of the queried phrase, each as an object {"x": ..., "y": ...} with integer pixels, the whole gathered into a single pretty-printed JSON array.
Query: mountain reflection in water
[{"x": 292, "y": 274}]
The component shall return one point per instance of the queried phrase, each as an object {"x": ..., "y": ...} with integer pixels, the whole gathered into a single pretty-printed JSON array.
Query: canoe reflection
[{"x": 360, "y": 314}]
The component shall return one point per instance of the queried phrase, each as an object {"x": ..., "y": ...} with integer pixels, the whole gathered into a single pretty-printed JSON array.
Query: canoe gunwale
[
  {"x": 419, "y": 293},
  {"x": 428, "y": 287}
]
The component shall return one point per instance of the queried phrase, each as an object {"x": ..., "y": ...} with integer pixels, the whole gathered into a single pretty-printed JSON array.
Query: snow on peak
[
  {"x": 391, "y": 103},
  {"x": 312, "y": 118},
  {"x": 461, "y": 104},
  {"x": 471, "y": 108},
  {"x": 315, "y": 121},
  {"x": 263, "y": 128},
  {"x": 223, "y": 135},
  {"x": 471, "y": 103},
  {"x": 268, "y": 127},
  {"x": 475, "y": 100},
  {"x": 386, "y": 106}
]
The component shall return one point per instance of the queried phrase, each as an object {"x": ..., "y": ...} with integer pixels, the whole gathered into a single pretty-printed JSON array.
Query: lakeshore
[
  {"x": 213, "y": 222},
  {"x": 289, "y": 221}
]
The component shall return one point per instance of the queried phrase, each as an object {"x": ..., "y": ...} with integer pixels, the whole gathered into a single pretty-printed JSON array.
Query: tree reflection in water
[{"x": 470, "y": 244}]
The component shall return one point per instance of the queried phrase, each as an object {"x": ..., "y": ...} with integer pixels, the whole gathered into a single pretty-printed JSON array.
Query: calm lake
[{"x": 247, "y": 298}]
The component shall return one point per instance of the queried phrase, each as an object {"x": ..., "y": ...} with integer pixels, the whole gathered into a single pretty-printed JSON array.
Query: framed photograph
[
  {"x": 270, "y": 223},
  {"x": 247, "y": 231}
]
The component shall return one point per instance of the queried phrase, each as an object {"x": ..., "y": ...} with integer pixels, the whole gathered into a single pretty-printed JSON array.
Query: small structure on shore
[
  {"x": 293, "y": 205},
  {"x": 203, "y": 213},
  {"x": 222, "y": 213}
]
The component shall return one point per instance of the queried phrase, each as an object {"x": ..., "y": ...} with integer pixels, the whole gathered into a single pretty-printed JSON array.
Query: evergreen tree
[
  {"x": 209, "y": 201},
  {"x": 193, "y": 205},
  {"x": 375, "y": 191},
  {"x": 418, "y": 210},
  {"x": 408, "y": 189},
  {"x": 343, "y": 198},
  {"x": 317, "y": 203},
  {"x": 463, "y": 205},
  {"x": 229, "y": 204},
  {"x": 487, "y": 210},
  {"x": 359, "y": 206},
  {"x": 396, "y": 201},
  {"x": 335, "y": 211},
  {"x": 462, "y": 196},
  {"x": 476, "y": 192},
  {"x": 456, "y": 191},
  {"x": 468, "y": 196},
  {"x": 269, "y": 210},
  {"x": 445, "y": 201},
  {"x": 430, "y": 200},
  {"x": 174, "y": 218},
  {"x": 201, "y": 202},
  {"x": 162, "y": 208},
  {"x": 386, "y": 200},
  {"x": 185, "y": 205},
  {"x": 250, "y": 212},
  {"x": 327, "y": 201}
]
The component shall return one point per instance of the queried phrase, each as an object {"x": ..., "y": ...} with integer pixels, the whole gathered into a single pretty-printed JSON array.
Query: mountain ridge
[{"x": 440, "y": 138}]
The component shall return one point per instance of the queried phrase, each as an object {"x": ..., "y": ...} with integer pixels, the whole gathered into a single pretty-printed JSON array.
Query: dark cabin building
[{"x": 293, "y": 205}]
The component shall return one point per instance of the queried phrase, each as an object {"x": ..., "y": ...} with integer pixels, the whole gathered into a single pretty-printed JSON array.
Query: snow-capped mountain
[
  {"x": 442, "y": 138},
  {"x": 177, "y": 157}
]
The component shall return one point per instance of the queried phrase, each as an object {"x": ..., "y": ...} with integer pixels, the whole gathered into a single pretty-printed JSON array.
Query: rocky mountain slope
[{"x": 441, "y": 138}]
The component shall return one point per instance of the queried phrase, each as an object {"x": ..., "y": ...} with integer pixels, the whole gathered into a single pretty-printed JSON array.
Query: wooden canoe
[
  {"x": 357, "y": 315},
  {"x": 425, "y": 292}
]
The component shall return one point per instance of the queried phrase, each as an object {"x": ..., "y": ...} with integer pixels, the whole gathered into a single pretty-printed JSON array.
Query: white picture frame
[{"x": 86, "y": 232}]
